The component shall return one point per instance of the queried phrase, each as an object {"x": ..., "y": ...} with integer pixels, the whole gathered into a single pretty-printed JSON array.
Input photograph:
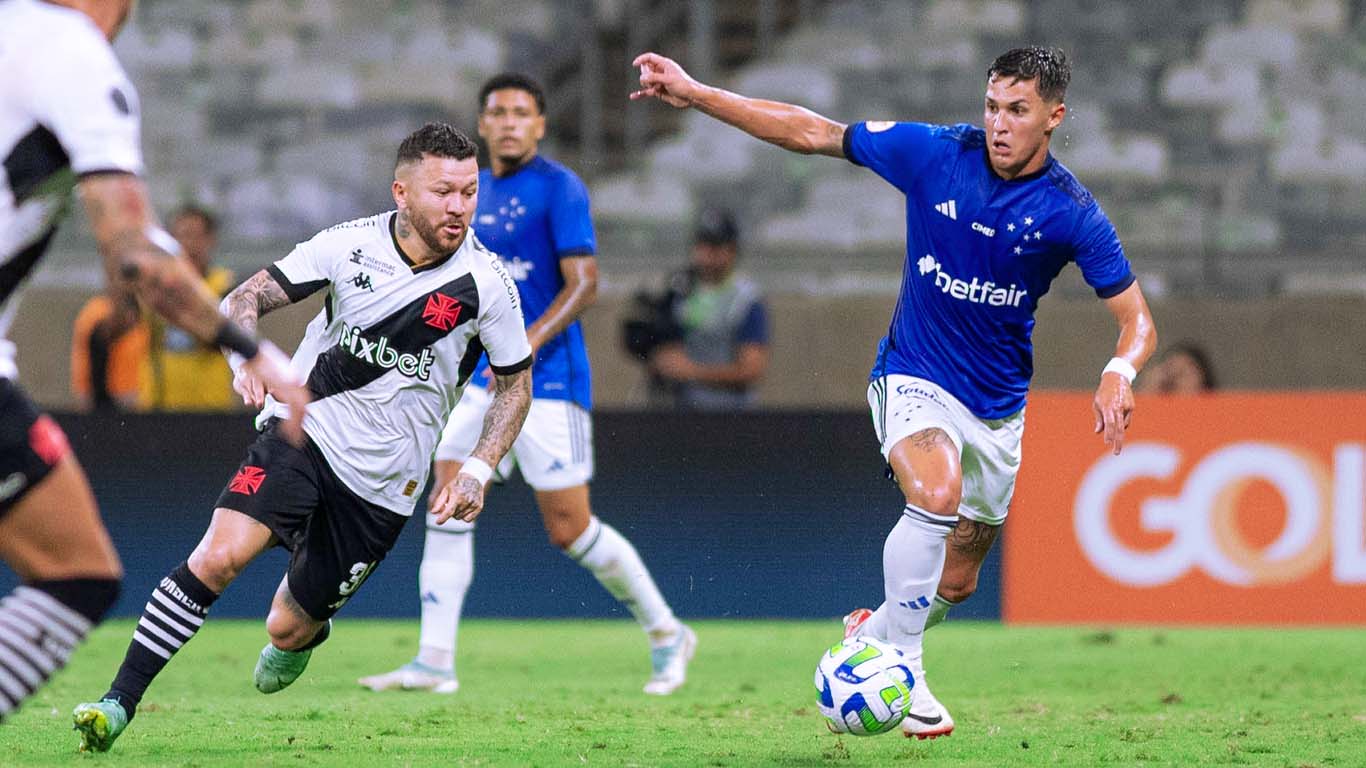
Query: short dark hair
[
  {"x": 200, "y": 212},
  {"x": 1049, "y": 65},
  {"x": 438, "y": 140},
  {"x": 716, "y": 227},
  {"x": 512, "y": 80},
  {"x": 1199, "y": 356}
]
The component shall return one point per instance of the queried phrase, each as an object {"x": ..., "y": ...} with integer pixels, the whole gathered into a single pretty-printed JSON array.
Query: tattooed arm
[
  {"x": 258, "y": 296},
  {"x": 787, "y": 125},
  {"x": 464, "y": 496},
  {"x": 245, "y": 305}
]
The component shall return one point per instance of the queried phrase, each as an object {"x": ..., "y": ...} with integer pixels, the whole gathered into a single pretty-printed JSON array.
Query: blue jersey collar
[{"x": 1039, "y": 174}]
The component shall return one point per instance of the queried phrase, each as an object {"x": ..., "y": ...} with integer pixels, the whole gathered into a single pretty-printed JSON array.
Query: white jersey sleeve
[
  {"x": 314, "y": 263},
  {"x": 80, "y": 92},
  {"x": 502, "y": 330}
]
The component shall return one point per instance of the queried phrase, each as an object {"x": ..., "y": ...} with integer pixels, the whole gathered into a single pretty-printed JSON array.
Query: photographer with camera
[{"x": 705, "y": 339}]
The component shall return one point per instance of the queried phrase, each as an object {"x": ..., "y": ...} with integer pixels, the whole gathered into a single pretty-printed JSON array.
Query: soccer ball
[{"x": 863, "y": 686}]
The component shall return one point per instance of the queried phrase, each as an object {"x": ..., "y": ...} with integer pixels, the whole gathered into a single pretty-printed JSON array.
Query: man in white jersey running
[
  {"x": 69, "y": 119},
  {"x": 413, "y": 300},
  {"x": 991, "y": 219},
  {"x": 534, "y": 213}
]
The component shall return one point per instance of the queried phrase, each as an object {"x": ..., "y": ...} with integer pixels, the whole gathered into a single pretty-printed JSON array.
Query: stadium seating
[{"x": 1221, "y": 127}]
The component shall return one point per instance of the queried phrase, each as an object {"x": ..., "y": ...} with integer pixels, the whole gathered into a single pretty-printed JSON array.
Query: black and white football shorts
[{"x": 335, "y": 538}]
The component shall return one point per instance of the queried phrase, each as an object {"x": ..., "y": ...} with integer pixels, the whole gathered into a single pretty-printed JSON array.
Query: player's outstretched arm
[
  {"x": 138, "y": 254},
  {"x": 1113, "y": 405},
  {"x": 789, "y": 126},
  {"x": 463, "y": 498},
  {"x": 141, "y": 257}
]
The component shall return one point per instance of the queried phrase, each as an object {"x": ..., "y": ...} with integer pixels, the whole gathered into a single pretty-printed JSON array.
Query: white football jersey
[
  {"x": 66, "y": 110},
  {"x": 392, "y": 349}
]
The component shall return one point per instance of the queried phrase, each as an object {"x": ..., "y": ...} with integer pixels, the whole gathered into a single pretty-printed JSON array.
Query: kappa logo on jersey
[
  {"x": 441, "y": 311},
  {"x": 974, "y": 292},
  {"x": 948, "y": 208},
  {"x": 247, "y": 481},
  {"x": 362, "y": 281},
  {"x": 380, "y": 353}
]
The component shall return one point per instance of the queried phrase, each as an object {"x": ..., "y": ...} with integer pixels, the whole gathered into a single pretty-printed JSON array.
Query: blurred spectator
[
  {"x": 1184, "y": 369},
  {"x": 108, "y": 348},
  {"x": 180, "y": 373},
  {"x": 713, "y": 334}
]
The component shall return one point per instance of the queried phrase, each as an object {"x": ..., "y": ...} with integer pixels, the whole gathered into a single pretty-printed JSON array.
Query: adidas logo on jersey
[
  {"x": 377, "y": 352},
  {"x": 974, "y": 292},
  {"x": 948, "y": 208}
]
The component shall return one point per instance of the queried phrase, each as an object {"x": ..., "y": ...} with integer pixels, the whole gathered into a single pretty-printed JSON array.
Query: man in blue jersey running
[
  {"x": 991, "y": 219},
  {"x": 534, "y": 213}
]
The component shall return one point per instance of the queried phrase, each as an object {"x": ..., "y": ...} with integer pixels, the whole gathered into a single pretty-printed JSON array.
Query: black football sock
[{"x": 177, "y": 610}]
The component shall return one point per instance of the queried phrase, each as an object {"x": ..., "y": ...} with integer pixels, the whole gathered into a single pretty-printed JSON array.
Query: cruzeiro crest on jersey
[{"x": 400, "y": 342}]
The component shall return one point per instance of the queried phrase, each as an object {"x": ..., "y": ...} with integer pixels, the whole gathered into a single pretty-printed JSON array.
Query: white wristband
[
  {"x": 477, "y": 469},
  {"x": 1122, "y": 367},
  {"x": 163, "y": 240}
]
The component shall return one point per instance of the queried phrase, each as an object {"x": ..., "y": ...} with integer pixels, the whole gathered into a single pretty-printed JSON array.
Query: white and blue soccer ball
[{"x": 864, "y": 686}]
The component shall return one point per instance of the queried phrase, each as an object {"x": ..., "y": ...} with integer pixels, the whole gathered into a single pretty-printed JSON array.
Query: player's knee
[
  {"x": 937, "y": 498},
  {"x": 563, "y": 528},
  {"x": 561, "y": 536},
  {"x": 287, "y": 631},
  {"x": 215, "y": 565}
]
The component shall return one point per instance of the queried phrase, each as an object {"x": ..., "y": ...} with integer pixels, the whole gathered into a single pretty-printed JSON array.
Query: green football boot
[
  {"x": 276, "y": 670},
  {"x": 99, "y": 723}
]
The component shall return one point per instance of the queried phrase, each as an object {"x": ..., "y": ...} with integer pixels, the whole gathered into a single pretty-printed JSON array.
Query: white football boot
[
  {"x": 670, "y": 663},
  {"x": 927, "y": 718},
  {"x": 413, "y": 676}
]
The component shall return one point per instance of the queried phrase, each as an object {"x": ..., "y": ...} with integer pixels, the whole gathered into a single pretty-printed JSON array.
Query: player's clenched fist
[{"x": 662, "y": 78}]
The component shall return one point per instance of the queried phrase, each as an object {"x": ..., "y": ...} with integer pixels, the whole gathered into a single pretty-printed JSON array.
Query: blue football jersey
[
  {"x": 532, "y": 218},
  {"x": 980, "y": 253}
]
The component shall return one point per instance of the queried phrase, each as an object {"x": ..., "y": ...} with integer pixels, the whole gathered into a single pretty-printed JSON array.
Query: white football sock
[
  {"x": 876, "y": 625},
  {"x": 443, "y": 579},
  {"x": 912, "y": 562},
  {"x": 618, "y": 567}
]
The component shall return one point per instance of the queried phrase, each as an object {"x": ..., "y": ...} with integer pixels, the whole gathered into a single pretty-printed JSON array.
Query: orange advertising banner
[{"x": 1236, "y": 508}]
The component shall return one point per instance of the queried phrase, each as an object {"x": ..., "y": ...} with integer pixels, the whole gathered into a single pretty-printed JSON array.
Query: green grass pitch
[{"x": 567, "y": 693}]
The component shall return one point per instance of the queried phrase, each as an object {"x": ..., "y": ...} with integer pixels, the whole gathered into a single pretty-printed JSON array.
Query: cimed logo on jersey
[{"x": 974, "y": 292}]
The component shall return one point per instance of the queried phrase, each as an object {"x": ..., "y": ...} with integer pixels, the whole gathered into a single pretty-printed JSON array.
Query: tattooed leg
[
  {"x": 289, "y": 625},
  {"x": 969, "y": 543}
]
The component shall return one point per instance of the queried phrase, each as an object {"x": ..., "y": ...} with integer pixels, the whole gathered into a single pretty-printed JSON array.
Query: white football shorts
[
  {"x": 554, "y": 450},
  {"x": 988, "y": 449}
]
